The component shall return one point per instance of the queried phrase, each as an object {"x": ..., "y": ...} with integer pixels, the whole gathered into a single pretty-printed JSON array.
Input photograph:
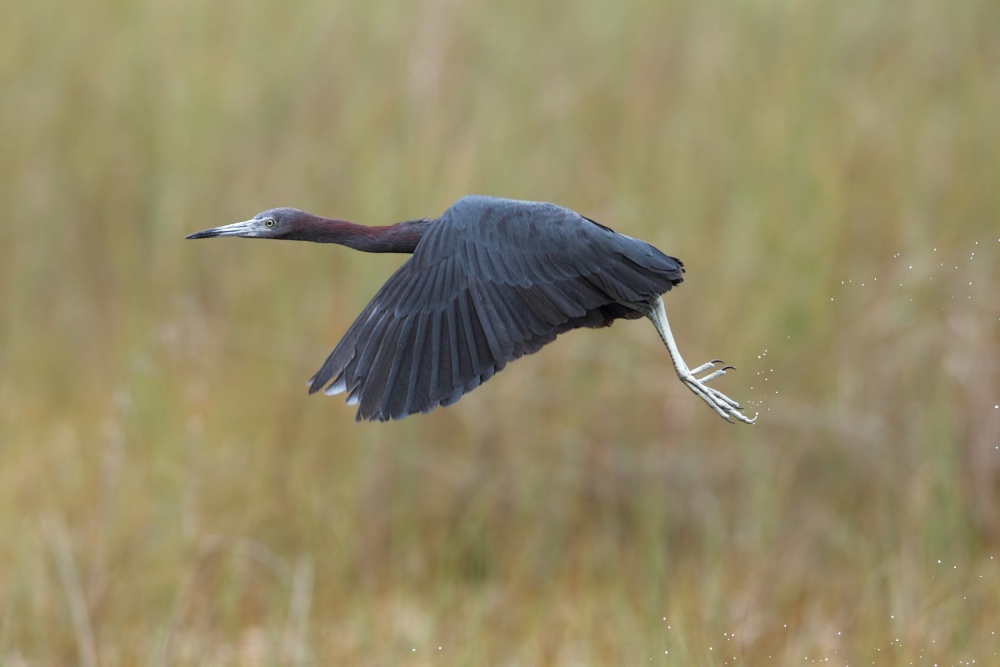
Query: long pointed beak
[{"x": 245, "y": 228}]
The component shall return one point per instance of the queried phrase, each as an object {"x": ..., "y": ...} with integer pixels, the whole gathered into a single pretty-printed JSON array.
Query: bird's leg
[{"x": 722, "y": 404}]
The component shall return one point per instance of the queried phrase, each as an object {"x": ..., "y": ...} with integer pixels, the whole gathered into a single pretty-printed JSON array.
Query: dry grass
[{"x": 827, "y": 171}]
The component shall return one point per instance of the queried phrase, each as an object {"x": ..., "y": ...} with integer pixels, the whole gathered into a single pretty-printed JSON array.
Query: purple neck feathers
[{"x": 401, "y": 237}]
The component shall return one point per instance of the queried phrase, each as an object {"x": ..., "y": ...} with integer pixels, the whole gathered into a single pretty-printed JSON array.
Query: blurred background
[{"x": 828, "y": 172}]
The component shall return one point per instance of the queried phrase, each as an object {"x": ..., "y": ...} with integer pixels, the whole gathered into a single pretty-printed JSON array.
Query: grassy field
[{"x": 828, "y": 172}]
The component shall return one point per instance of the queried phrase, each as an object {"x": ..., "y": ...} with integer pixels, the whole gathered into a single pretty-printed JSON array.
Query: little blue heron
[{"x": 489, "y": 281}]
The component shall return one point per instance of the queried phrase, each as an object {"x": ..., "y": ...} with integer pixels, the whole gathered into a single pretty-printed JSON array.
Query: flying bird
[{"x": 489, "y": 281}]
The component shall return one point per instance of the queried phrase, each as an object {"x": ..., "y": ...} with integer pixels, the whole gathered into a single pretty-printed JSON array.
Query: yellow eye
[{"x": 269, "y": 222}]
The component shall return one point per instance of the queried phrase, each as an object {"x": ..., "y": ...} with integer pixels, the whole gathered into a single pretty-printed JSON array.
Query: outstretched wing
[{"x": 490, "y": 281}]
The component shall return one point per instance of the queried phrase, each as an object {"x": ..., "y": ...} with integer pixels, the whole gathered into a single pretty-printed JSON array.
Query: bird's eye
[{"x": 269, "y": 222}]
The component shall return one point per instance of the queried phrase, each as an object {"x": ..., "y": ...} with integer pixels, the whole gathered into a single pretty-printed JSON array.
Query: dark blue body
[{"x": 489, "y": 281}]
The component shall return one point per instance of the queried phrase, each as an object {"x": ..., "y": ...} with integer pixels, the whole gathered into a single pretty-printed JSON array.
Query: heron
[{"x": 489, "y": 281}]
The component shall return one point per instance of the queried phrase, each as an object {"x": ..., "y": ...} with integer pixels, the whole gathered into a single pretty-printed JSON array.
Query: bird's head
[{"x": 275, "y": 223}]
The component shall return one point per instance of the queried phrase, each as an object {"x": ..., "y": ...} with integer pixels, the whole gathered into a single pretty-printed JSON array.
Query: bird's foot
[{"x": 726, "y": 407}]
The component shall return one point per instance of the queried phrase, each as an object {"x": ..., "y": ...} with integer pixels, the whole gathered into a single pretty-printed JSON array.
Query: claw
[{"x": 724, "y": 406}]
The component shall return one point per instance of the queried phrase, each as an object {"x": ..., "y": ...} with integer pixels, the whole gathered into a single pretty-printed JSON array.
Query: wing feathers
[
  {"x": 399, "y": 363},
  {"x": 417, "y": 392},
  {"x": 480, "y": 292},
  {"x": 499, "y": 340},
  {"x": 374, "y": 384},
  {"x": 437, "y": 360}
]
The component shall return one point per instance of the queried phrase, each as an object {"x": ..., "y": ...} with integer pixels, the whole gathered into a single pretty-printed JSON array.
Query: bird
[{"x": 489, "y": 281}]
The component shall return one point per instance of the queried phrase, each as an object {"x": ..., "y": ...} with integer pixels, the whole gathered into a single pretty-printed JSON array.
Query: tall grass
[{"x": 827, "y": 171}]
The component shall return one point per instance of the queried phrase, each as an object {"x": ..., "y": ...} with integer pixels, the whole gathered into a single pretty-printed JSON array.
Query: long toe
[
  {"x": 724, "y": 406},
  {"x": 712, "y": 376},
  {"x": 705, "y": 366}
]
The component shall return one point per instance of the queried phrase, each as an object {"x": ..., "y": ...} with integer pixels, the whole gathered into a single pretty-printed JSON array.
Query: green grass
[{"x": 828, "y": 172}]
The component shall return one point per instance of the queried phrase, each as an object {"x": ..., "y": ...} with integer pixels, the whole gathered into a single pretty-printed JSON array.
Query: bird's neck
[{"x": 402, "y": 237}]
